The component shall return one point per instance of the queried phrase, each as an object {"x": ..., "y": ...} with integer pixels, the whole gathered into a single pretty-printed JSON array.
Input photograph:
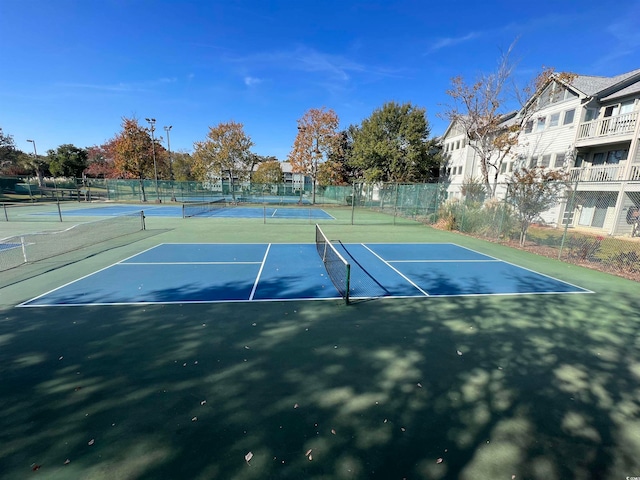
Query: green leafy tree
[
  {"x": 182, "y": 166},
  {"x": 317, "y": 139},
  {"x": 134, "y": 153},
  {"x": 532, "y": 191},
  {"x": 392, "y": 145},
  {"x": 224, "y": 153},
  {"x": 67, "y": 160},
  {"x": 8, "y": 153},
  {"x": 269, "y": 172}
]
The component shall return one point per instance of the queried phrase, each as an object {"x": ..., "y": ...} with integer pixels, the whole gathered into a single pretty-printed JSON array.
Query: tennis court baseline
[{"x": 205, "y": 273}]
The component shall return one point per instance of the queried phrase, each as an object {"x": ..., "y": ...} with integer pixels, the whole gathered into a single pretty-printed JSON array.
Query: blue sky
[{"x": 71, "y": 69}]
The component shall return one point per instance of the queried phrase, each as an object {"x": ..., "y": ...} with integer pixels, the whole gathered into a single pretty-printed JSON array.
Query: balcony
[
  {"x": 607, "y": 130},
  {"x": 604, "y": 173}
]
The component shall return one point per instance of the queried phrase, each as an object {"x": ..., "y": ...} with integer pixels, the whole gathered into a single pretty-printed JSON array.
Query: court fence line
[{"x": 595, "y": 223}]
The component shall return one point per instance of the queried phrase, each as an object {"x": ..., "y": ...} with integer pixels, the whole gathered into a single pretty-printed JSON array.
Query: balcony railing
[
  {"x": 623, "y": 124},
  {"x": 599, "y": 173}
]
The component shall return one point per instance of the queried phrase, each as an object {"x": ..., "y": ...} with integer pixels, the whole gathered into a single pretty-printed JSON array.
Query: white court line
[
  {"x": 444, "y": 261},
  {"x": 255, "y": 285},
  {"x": 395, "y": 270},
  {"x": 274, "y": 212},
  {"x": 584, "y": 290},
  {"x": 192, "y": 263}
]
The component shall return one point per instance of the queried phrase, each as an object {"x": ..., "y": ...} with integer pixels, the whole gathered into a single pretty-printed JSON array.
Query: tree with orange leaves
[
  {"x": 134, "y": 153},
  {"x": 317, "y": 138}
]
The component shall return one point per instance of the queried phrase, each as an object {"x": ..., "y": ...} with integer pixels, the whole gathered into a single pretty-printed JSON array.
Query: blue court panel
[
  {"x": 197, "y": 273},
  {"x": 9, "y": 246},
  {"x": 201, "y": 253},
  {"x": 176, "y": 211},
  {"x": 294, "y": 271}
]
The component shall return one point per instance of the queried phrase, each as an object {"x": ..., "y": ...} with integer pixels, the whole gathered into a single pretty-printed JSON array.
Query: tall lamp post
[
  {"x": 152, "y": 123},
  {"x": 35, "y": 159},
  {"x": 168, "y": 129}
]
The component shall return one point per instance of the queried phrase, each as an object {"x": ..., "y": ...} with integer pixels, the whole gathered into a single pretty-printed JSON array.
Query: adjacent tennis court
[
  {"x": 200, "y": 209},
  {"x": 201, "y": 273}
]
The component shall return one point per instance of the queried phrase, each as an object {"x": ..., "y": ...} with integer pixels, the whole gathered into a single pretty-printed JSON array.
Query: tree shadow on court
[{"x": 540, "y": 387}]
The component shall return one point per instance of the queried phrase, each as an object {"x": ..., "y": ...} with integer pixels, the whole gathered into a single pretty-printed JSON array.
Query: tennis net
[
  {"x": 337, "y": 267},
  {"x": 193, "y": 209},
  {"x": 32, "y": 247}
]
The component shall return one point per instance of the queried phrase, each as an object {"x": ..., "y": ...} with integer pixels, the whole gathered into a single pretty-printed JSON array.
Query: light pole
[
  {"x": 35, "y": 161},
  {"x": 152, "y": 123},
  {"x": 168, "y": 129}
]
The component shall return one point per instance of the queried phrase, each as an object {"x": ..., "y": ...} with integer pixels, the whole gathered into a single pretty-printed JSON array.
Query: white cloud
[
  {"x": 251, "y": 81},
  {"x": 451, "y": 41}
]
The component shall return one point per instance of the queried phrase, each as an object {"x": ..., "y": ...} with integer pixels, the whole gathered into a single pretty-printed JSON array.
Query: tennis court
[
  {"x": 220, "y": 349},
  {"x": 200, "y": 273},
  {"x": 200, "y": 209}
]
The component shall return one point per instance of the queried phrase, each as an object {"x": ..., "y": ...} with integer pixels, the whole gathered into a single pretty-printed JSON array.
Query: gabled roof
[{"x": 593, "y": 86}]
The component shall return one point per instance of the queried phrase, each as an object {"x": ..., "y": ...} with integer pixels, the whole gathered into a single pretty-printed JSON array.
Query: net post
[
  {"x": 58, "y": 205},
  {"x": 347, "y": 284}
]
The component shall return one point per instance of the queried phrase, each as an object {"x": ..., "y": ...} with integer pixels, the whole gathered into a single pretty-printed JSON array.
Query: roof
[
  {"x": 634, "y": 88},
  {"x": 592, "y": 85}
]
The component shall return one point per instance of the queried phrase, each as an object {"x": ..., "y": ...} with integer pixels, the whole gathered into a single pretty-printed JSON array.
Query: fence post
[{"x": 353, "y": 201}]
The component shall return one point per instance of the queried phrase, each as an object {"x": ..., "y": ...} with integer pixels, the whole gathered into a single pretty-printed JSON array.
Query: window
[
  {"x": 503, "y": 168},
  {"x": 559, "y": 160},
  {"x": 533, "y": 161},
  {"x": 568, "y": 116},
  {"x": 546, "y": 161},
  {"x": 626, "y": 107},
  {"x": 554, "y": 120},
  {"x": 598, "y": 158},
  {"x": 590, "y": 114},
  {"x": 457, "y": 144},
  {"x": 616, "y": 156},
  {"x": 528, "y": 127},
  {"x": 540, "y": 123}
]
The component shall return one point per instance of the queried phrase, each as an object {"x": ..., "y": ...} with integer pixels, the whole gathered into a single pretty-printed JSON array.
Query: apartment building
[{"x": 586, "y": 125}]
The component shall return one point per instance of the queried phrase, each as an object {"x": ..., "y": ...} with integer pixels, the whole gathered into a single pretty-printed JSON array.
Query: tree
[
  {"x": 101, "y": 161},
  {"x": 269, "y": 172},
  {"x": 182, "y": 166},
  {"x": 225, "y": 152},
  {"x": 392, "y": 145},
  {"x": 67, "y": 160},
  {"x": 532, "y": 191},
  {"x": 473, "y": 190},
  {"x": 317, "y": 138},
  {"x": 8, "y": 152},
  {"x": 133, "y": 152},
  {"x": 332, "y": 172},
  {"x": 480, "y": 111}
]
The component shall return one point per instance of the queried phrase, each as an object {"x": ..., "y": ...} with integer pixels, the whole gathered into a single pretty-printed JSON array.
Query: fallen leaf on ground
[{"x": 248, "y": 457}]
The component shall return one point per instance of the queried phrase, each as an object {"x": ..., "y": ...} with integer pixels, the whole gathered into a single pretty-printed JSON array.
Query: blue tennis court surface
[
  {"x": 203, "y": 273},
  {"x": 232, "y": 211}
]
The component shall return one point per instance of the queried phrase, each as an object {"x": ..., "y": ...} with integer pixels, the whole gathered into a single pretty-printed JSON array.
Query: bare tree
[{"x": 480, "y": 111}]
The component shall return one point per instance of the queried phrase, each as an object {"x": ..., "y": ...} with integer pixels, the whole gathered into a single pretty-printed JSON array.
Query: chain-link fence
[{"x": 590, "y": 223}]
